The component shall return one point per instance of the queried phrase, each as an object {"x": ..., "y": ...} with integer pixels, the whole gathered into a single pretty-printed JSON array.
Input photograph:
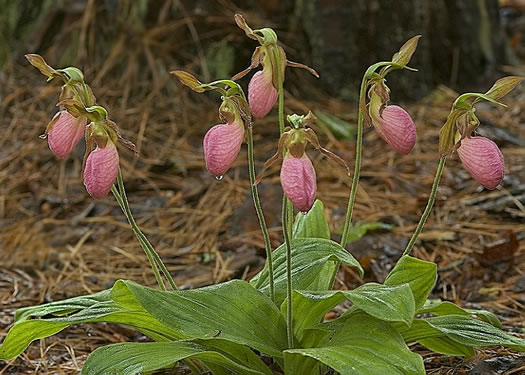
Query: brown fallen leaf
[{"x": 500, "y": 252}]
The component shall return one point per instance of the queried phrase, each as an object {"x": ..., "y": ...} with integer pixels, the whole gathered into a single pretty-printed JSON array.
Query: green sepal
[
  {"x": 461, "y": 101},
  {"x": 502, "y": 87},
  {"x": 269, "y": 36},
  {"x": 74, "y": 74},
  {"x": 38, "y": 62},
  {"x": 98, "y": 111},
  {"x": 447, "y": 132}
]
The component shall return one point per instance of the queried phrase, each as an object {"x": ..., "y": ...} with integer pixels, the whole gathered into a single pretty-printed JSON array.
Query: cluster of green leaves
[{"x": 233, "y": 326}]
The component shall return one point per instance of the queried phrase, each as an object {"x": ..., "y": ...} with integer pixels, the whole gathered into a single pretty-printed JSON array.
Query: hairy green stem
[
  {"x": 119, "y": 200},
  {"x": 357, "y": 171},
  {"x": 428, "y": 208},
  {"x": 357, "y": 167},
  {"x": 286, "y": 202},
  {"x": 258, "y": 209},
  {"x": 289, "y": 307},
  {"x": 290, "y": 218},
  {"x": 143, "y": 240},
  {"x": 280, "y": 89}
]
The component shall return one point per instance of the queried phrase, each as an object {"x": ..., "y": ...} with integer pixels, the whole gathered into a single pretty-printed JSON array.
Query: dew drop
[
  {"x": 218, "y": 178},
  {"x": 43, "y": 136}
]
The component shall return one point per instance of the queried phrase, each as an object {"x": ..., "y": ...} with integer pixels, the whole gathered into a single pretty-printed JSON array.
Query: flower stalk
[
  {"x": 289, "y": 309},
  {"x": 428, "y": 208},
  {"x": 153, "y": 257},
  {"x": 258, "y": 209},
  {"x": 285, "y": 213},
  {"x": 357, "y": 167}
]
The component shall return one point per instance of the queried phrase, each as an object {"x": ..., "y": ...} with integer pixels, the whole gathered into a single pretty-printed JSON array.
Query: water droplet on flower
[
  {"x": 43, "y": 136},
  {"x": 218, "y": 178}
]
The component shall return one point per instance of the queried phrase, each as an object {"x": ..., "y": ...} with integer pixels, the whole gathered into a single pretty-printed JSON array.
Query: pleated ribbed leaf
[
  {"x": 389, "y": 303},
  {"x": 26, "y": 330},
  {"x": 419, "y": 274},
  {"x": 309, "y": 257},
  {"x": 364, "y": 345},
  {"x": 234, "y": 310},
  {"x": 441, "y": 308},
  {"x": 458, "y": 335},
  {"x": 134, "y": 358}
]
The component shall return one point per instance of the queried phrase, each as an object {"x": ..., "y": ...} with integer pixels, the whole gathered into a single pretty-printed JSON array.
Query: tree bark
[{"x": 462, "y": 42}]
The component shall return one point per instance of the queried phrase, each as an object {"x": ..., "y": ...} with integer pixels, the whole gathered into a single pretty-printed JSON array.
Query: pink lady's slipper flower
[
  {"x": 483, "y": 159},
  {"x": 262, "y": 89},
  {"x": 65, "y": 133},
  {"x": 222, "y": 144},
  {"x": 298, "y": 181},
  {"x": 396, "y": 127},
  {"x": 298, "y": 178},
  {"x": 101, "y": 170},
  {"x": 261, "y": 93}
]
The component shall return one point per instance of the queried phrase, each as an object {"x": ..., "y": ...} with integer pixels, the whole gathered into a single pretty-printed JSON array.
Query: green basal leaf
[
  {"x": 363, "y": 345},
  {"x": 458, "y": 334},
  {"x": 315, "y": 337},
  {"x": 26, "y": 330},
  {"x": 358, "y": 230},
  {"x": 59, "y": 308},
  {"x": 133, "y": 358},
  {"x": 440, "y": 308},
  {"x": 309, "y": 257},
  {"x": 389, "y": 303},
  {"x": 418, "y": 274},
  {"x": 433, "y": 339},
  {"x": 236, "y": 352},
  {"x": 447, "y": 346},
  {"x": 341, "y": 129},
  {"x": 313, "y": 224},
  {"x": 234, "y": 310},
  {"x": 473, "y": 332}
]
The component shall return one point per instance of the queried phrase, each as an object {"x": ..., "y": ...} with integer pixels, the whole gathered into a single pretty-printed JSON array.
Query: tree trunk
[{"x": 461, "y": 46}]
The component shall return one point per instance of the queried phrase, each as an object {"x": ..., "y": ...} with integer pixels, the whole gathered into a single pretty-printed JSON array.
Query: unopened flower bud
[
  {"x": 396, "y": 127},
  {"x": 222, "y": 144},
  {"x": 483, "y": 159},
  {"x": 298, "y": 181},
  {"x": 66, "y": 132},
  {"x": 261, "y": 93},
  {"x": 101, "y": 170}
]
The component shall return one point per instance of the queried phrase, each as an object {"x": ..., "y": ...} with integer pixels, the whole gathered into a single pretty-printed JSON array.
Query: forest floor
[{"x": 56, "y": 242}]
